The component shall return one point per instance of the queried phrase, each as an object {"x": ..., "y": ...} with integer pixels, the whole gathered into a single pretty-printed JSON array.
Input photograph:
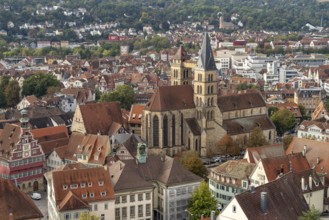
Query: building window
[
  {"x": 140, "y": 197},
  {"x": 148, "y": 209},
  {"x": 165, "y": 131},
  {"x": 106, "y": 206},
  {"x": 101, "y": 183},
  {"x": 91, "y": 195},
  {"x": 67, "y": 216},
  {"x": 132, "y": 198},
  {"x": 95, "y": 207},
  {"x": 182, "y": 129},
  {"x": 132, "y": 211},
  {"x": 117, "y": 214},
  {"x": 234, "y": 209},
  {"x": 76, "y": 215},
  {"x": 90, "y": 184},
  {"x": 155, "y": 131},
  {"x": 124, "y": 199},
  {"x": 84, "y": 196},
  {"x": 103, "y": 193},
  {"x": 117, "y": 200},
  {"x": 124, "y": 212},
  {"x": 83, "y": 185},
  {"x": 148, "y": 196},
  {"x": 140, "y": 211},
  {"x": 74, "y": 186}
]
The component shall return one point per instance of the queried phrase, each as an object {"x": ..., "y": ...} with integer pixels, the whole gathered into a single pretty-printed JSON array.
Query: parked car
[{"x": 36, "y": 196}]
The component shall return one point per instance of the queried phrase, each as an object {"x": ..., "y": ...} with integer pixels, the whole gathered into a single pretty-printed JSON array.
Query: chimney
[
  {"x": 212, "y": 215},
  {"x": 310, "y": 181},
  {"x": 303, "y": 183},
  {"x": 317, "y": 160},
  {"x": 263, "y": 202},
  {"x": 304, "y": 150},
  {"x": 252, "y": 189}
]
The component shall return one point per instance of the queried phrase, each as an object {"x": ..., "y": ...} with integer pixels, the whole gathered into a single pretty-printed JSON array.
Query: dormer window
[
  {"x": 74, "y": 186},
  {"x": 65, "y": 187},
  {"x": 83, "y": 185},
  {"x": 103, "y": 193},
  {"x": 91, "y": 195},
  {"x": 90, "y": 184},
  {"x": 84, "y": 196},
  {"x": 101, "y": 183}
]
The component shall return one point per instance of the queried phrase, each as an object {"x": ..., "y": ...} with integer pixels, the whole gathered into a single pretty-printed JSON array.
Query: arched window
[
  {"x": 209, "y": 78},
  {"x": 155, "y": 131},
  {"x": 212, "y": 101},
  {"x": 208, "y": 102},
  {"x": 173, "y": 130},
  {"x": 212, "y": 89},
  {"x": 196, "y": 145},
  {"x": 208, "y": 89},
  {"x": 165, "y": 131}
]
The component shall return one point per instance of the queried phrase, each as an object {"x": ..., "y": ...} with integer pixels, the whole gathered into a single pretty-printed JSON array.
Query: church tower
[
  {"x": 181, "y": 71},
  {"x": 205, "y": 91}
]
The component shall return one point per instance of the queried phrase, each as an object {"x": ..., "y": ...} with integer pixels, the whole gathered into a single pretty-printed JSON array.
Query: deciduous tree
[
  {"x": 12, "y": 93},
  {"x": 191, "y": 161},
  {"x": 311, "y": 214},
  {"x": 88, "y": 216},
  {"x": 202, "y": 202},
  {"x": 38, "y": 84},
  {"x": 257, "y": 138},
  {"x": 124, "y": 94},
  {"x": 283, "y": 120}
]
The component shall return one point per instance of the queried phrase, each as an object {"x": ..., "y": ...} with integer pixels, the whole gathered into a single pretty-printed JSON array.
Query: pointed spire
[
  {"x": 206, "y": 58},
  {"x": 181, "y": 54}
]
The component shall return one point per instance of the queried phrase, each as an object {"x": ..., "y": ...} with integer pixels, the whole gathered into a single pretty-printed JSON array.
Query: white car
[{"x": 36, "y": 196}]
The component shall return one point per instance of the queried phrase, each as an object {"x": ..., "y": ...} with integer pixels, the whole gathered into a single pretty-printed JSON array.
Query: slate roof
[
  {"x": 13, "y": 200},
  {"x": 285, "y": 200},
  {"x": 104, "y": 118},
  {"x": 206, "y": 58},
  {"x": 168, "y": 98},
  {"x": 193, "y": 126},
  {"x": 247, "y": 124},
  {"x": 240, "y": 101}
]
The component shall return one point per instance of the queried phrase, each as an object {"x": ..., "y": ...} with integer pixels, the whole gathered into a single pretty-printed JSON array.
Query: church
[{"x": 191, "y": 115}]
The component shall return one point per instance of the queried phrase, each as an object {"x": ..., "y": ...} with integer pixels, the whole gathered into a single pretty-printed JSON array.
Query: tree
[
  {"x": 303, "y": 112},
  {"x": 227, "y": 145},
  {"x": 124, "y": 94},
  {"x": 191, "y": 161},
  {"x": 12, "y": 93},
  {"x": 271, "y": 110},
  {"x": 4, "y": 81},
  {"x": 283, "y": 120},
  {"x": 257, "y": 138},
  {"x": 202, "y": 202},
  {"x": 312, "y": 214},
  {"x": 287, "y": 140},
  {"x": 88, "y": 216},
  {"x": 38, "y": 84}
]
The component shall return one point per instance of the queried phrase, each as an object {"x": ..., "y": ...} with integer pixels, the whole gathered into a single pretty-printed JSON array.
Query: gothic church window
[
  {"x": 155, "y": 131},
  {"x": 165, "y": 131}
]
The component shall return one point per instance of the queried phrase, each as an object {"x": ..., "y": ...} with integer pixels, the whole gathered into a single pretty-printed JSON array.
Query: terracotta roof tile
[
  {"x": 135, "y": 115},
  {"x": 96, "y": 180},
  {"x": 100, "y": 117},
  {"x": 240, "y": 101},
  {"x": 13, "y": 200},
  {"x": 256, "y": 153},
  {"x": 168, "y": 98}
]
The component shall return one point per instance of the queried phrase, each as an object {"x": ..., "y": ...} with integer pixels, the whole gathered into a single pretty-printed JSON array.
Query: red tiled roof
[
  {"x": 13, "y": 200},
  {"x": 135, "y": 115}
]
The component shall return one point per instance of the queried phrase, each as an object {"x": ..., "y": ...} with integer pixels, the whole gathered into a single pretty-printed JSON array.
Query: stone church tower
[
  {"x": 181, "y": 68},
  {"x": 205, "y": 94}
]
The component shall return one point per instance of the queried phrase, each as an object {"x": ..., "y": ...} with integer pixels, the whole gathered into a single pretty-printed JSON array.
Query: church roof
[
  {"x": 168, "y": 98},
  {"x": 181, "y": 54},
  {"x": 206, "y": 58}
]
